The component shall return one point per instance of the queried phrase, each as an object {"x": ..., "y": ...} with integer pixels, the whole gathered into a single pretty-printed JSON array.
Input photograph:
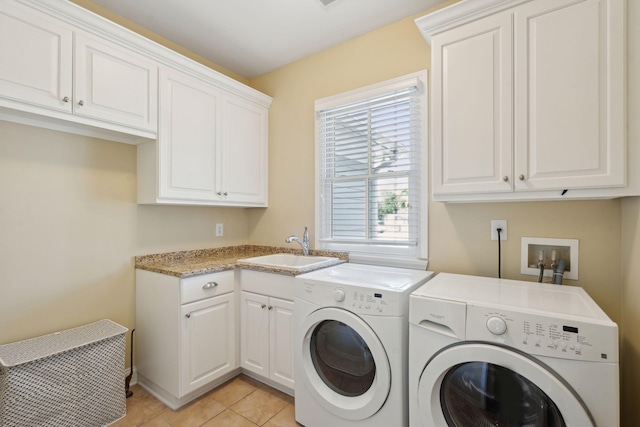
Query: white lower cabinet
[
  {"x": 185, "y": 334},
  {"x": 267, "y": 342},
  {"x": 207, "y": 341},
  {"x": 266, "y": 328}
]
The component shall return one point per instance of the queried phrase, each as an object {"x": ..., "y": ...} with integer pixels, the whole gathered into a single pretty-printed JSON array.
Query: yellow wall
[
  {"x": 69, "y": 223},
  {"x": 630, "y": 361},
  {"x": 70, "y": 227},
  {"x": 459, "y": 233},
  {"x": 630, "y": 337}
]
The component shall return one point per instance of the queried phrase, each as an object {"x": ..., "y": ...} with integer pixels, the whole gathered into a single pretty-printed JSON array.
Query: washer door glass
[
  {"x": 471, "y": 383},
  {"x": 342, "y": 358},
  {"x": 343, "y": 364},
  {"x": 484, "y": 394}
]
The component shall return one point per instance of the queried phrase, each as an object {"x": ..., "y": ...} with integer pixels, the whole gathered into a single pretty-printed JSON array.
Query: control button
[
  {"x": 339, "y": 295},
  {"x": 563, "y": 345},
  {"x": 496, "y": 325},
  {"x": 578, "y": 347}
]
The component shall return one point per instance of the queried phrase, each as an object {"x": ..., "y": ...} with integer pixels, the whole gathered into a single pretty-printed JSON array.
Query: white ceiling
[{"x": 252, "y": 37}]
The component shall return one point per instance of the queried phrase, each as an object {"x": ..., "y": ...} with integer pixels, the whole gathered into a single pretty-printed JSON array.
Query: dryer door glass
[
  {"x": 342, "y": 358},
  {"x": 484, "y": 394}
]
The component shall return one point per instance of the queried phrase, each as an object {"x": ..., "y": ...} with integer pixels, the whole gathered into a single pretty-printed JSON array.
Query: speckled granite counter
[{"x": 204, "y": 261}]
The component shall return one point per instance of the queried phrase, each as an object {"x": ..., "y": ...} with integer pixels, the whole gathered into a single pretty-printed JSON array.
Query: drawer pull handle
[
  {"x": 210, "y": 285},
  {"x": 263, "y": 306}
]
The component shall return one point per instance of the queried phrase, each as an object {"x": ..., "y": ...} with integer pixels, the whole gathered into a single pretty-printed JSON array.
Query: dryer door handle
[{"x": 438, "y": 328}]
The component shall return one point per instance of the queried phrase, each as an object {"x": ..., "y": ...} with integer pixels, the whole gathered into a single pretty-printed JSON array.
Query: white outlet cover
[
  {"x": 498, "y": 223},
  {"x": 219, "y": 230}
]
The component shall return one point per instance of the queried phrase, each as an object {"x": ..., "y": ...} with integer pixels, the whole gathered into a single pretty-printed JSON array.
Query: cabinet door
[
  {"x": 187, "y": 137},
  {"x": 471, "y": 107},
  {"x": 207, "y": 341},
  {"x": 281, "y": 345},
  {"x": 254, "y": 333},
  {"x": 569, "y": 94},
  {"x": 35, "y": 60},
  {"x": 114, "y": 85},
  {"x": 244, "y": 167}
]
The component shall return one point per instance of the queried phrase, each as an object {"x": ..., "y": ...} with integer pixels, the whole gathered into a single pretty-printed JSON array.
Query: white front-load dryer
[
  {"x": 351, "y": 339},
  {"x": 491, "y": 352}
]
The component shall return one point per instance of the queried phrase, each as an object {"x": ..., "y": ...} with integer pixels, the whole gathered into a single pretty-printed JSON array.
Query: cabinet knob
[
  {"x": 188, "y": 315},
  {"x": 210, "y": 285},
  {"x": 521, "y": 177},
  {"x": 270, "y": 307},
  {"x": 505, "y": 178},
  {"x": 65, "y": 99},
  {"x": 81, "y": 103},
  {"x": 225, "y": 193},
  {"x": 263, "y": 306}
]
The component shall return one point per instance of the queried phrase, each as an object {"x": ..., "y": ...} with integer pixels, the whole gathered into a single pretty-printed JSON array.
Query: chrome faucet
[{"x": 304, "y": 242}]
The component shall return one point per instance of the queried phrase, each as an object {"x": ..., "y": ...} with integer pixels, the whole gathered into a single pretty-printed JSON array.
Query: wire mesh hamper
[{"x": 69, "y": 378}]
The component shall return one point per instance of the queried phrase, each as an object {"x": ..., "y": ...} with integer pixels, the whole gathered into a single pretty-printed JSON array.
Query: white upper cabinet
[
  {"x": 528, "y": 99},
  {"x": 569, "y": 115},
  {"x": 472, "y": 102},
  {"x": 211, "y": 148},
  {"x": 201, "y": 136},
  {"x": 114, "y": 85},
  {"x": 55, "y": 74},
  {"x": 35, "y": 60},
  {"x": 244, "y": 153},
  {"x": 187, "y": 138}
]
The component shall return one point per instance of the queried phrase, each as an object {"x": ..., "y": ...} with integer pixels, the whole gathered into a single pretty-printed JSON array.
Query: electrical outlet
[
  {"x": 219, "y": 230},
  {"x": 498, "y": 223}
]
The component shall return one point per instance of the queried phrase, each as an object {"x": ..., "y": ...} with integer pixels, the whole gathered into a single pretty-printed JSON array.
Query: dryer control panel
[{"x": 544, "y": 335}]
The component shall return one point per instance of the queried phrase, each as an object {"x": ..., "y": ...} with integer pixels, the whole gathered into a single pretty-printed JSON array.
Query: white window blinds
[{"x": 369, "y": 170}]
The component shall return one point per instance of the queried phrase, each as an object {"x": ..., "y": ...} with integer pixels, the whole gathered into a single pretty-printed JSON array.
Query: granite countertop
[{"x": 203, "y": 261}]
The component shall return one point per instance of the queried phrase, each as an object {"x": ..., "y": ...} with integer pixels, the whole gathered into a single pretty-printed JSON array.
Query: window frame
[{"x": 415, "y": 257}]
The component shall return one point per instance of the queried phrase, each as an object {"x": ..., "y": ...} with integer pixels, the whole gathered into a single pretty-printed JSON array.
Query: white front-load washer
[
  {"x": 351, "y": 338},
  {"x": 494, "y": 352}
]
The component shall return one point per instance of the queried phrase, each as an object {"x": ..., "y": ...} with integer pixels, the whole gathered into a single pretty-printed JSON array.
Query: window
[{"x": 371, "y": 173}]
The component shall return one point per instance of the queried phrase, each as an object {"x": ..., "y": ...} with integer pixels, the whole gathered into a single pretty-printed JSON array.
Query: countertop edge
[{"x": 191, "y": 263}]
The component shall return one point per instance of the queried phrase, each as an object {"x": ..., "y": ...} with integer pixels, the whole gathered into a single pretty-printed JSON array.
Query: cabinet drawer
[{"x": 206, "y": 286}]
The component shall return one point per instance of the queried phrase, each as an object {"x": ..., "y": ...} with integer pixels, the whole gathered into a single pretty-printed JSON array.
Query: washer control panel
[
  {"x": 543, "y": 335},
  {"x": 357, "y": 299},
  {"x": 496, "y": 325}
]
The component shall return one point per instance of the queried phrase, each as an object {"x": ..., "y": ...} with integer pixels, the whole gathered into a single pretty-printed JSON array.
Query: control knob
[
  {"x": 496, "y": 325},
  {"x": 339, "y": 295}
]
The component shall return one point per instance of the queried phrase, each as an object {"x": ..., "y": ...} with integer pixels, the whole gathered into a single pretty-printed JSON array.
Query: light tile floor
[{"x": 240, "y": 402}]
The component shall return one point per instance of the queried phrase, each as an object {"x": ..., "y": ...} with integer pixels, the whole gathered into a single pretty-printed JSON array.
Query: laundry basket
[{"x": 69, "y": 378}]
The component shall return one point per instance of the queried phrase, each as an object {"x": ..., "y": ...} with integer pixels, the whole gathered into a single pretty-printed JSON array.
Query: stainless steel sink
[{"x": 293, "y": 261}]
